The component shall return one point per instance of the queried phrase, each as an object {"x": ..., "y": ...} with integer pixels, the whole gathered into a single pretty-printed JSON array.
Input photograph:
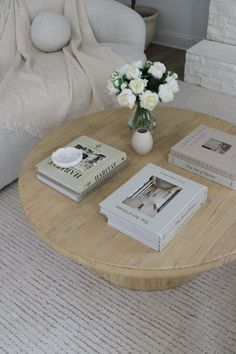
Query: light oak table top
[{"x": 81, "y": 233}]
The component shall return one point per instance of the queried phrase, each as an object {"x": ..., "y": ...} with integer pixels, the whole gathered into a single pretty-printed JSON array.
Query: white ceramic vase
[{"x": 142, "y": 141}]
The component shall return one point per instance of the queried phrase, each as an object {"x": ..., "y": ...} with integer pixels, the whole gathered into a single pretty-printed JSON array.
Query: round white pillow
[{"x": 50, "y": 31}]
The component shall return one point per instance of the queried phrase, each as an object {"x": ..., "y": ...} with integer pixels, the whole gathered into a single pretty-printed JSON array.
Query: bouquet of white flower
[
  {"x": 148, "y": 83},
  {"x": 143, "y": 85}
]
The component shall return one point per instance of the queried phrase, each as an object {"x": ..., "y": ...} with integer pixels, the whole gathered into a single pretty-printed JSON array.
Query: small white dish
[{"x": 67, "y": 157}]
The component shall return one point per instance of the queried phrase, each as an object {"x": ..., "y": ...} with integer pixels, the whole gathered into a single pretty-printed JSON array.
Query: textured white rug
[
  {"x": 49, "y": 304},
  {"x": 200, "y": 99}
]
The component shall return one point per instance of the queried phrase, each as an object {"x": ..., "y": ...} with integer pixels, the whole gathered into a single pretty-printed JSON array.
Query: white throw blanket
[{"x": 39, "y": 91}]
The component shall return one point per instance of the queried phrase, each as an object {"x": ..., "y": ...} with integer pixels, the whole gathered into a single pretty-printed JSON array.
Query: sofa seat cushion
[
  {"x": 14, "y": 147},
  {"x": 128, "y": 52}
]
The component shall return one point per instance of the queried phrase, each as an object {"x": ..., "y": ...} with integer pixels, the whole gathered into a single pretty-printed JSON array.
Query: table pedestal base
[{"x": 145, "y": 284}]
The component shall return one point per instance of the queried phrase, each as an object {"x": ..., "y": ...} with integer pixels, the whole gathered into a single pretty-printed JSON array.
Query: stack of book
[
  {"x": 99, "y": 162},
  {"x": 209, "y": 153},
  {"x": 153, "y": 205}
]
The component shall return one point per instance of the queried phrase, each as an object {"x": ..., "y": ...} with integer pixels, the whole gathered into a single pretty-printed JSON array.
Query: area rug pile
[{"x": 49, "y": 304}]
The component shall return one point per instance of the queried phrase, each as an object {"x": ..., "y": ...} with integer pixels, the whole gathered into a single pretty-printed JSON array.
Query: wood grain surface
[{"x": 80, "y": 232}]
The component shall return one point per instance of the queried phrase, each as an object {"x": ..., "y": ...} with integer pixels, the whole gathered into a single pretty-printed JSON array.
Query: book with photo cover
[
  {"x": 210, "y": 149},
  {"x": 153, "y": 205},
  {"x": 99, "y": 160}
]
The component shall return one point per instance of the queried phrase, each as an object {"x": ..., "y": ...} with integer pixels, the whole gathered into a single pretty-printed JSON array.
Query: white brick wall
[
  {"x": 222, "y": 21},
  {"x": 212, "y": 65},
  {"x": 212, "y": 74}
]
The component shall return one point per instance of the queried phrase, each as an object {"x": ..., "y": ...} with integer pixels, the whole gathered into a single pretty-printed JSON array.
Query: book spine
[
  {"x": 70, "y": 178},
  {"x": 58, "y": 188},
  {"x": 80, "y": 196},
  {"x": 203, "y": 172},
  {"x": 137, "y": 231},
  {"x": 202, "y": 164},
  {"x": 179, "y": 222},
  {"x": 146, "y": 241}
]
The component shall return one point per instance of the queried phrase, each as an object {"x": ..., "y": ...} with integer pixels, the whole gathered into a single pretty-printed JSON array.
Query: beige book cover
[
  {"x": 209, "y": 148},
  {"x": 98, "y": 160}
]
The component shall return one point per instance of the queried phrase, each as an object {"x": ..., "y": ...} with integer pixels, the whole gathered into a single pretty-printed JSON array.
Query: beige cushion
[{"x": 50, "y": 31}]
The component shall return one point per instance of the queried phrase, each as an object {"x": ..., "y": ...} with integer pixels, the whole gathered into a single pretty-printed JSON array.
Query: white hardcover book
[
  {"x": 209, "y": 148},
  {"x": 166, "y": 230},
  {"x": 98, "y": 160},
  {"x": 155, "y": 202},
  {"x": 203, "y": 172},
  {"x": 157, "y": 242},
  {"x": 68, "y": 193}
]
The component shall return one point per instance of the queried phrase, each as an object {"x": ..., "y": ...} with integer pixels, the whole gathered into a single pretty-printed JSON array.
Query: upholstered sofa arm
[{"x": 112, "y": 21}]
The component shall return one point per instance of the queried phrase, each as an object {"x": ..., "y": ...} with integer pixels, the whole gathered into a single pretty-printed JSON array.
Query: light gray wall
[{"x": 182, "y": 23}]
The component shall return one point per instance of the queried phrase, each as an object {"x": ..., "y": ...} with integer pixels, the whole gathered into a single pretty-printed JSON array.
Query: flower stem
[{"x": 141, "y": 117}]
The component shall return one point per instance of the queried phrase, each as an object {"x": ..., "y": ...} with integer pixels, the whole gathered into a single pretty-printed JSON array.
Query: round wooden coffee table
[{"x": 81, "y": 233}]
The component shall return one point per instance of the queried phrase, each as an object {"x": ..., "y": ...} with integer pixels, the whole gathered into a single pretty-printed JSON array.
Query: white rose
[
  {"x": 123, "y": 69},
  {"x": 165, "y": 93},
  {"x": 137, "y": 85},
  {"x": 133, "y": 72},
  {"x": 173, "y": 85},
  {"x": 112, "y": 89},
  {"x": 139, "y": 64},
  {"x": 149, "y": 100},
  {"x": 157, "y": 70},
  {"x": 126, "y": 98}
]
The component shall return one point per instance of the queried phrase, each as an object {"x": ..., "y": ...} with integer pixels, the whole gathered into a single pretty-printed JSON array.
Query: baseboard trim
[{"x": 175, "y": 39}]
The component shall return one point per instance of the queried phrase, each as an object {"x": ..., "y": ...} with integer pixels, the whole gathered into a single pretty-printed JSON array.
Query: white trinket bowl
[{"x": 67, "y": 157}]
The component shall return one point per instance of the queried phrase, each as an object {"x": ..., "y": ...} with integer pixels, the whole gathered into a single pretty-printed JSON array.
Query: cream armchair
[
  {"x": 114, "y": 25},
  {"x": 118, "y": 24}
]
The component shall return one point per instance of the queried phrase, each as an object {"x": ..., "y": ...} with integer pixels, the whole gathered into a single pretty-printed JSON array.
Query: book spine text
[
  {"x": 201, "y": 171},
  {"x": 202, "y": 164},
  {"x": 179, "y": 222}
]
